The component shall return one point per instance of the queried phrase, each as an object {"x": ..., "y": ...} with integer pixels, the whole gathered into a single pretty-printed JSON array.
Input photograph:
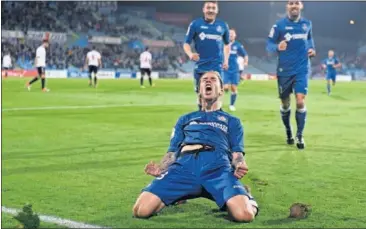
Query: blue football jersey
[
  {"x": 294, "y": 59},
  {"x": 329, "y": 62},
  {"x": 218, "y": 129},
  {"x": 236, "y": 50},
  {"x": 209, "y": 40}
]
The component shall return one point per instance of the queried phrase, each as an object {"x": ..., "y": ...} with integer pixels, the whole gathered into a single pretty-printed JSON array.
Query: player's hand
[
  {"x": 311, "y": 52},
  {"x": 225, "y": 65},
  {"x": 241, "y": 169},
  {"x": 282, "y": 46},
  {"x": 195, "y": 57},
  {"x": 152, "y": 169}
]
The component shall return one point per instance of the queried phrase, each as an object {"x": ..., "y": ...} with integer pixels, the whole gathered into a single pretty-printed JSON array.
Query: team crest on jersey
[
  {"x": 304, "y": 27},
  {"x": 235, "y": 48},
  {"x": 222, "y": 118},
  {"x": 219, "y": 29}
]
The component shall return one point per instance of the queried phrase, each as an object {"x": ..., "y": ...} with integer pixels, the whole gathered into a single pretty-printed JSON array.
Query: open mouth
[{"x": 208, "y": 88}]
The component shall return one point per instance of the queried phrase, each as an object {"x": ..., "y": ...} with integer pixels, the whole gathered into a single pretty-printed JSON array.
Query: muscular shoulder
[
  {"x": 237, "y": 43},
  {"x": 305, "y": 20},
  {"x": 220, "y": 21},
  {"x": 280, "y": 23},
  {"x": 196, "y": 22}
]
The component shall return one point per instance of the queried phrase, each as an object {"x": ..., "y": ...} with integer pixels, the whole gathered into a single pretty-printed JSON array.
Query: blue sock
[
  {"x": 232, "y": 99},
  {"x": 328, "y": 88},
  {"x": 285, "y": 115},
  {"x": 300, "y": 120}
]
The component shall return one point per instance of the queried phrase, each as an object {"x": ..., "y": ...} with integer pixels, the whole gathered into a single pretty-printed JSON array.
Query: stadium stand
[{"x": 125, "y": 34}]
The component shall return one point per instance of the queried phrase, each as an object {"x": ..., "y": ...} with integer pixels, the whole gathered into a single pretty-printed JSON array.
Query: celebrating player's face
[
  {"x": 294, "y": 8},
  {"x": 210, "y": 10},
  {"x": 330, "y": 53},
  {"x": 232, "y": 35},
  {"x": 210, "y": 86}
]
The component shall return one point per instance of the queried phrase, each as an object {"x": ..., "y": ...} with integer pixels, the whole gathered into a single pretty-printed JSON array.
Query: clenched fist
[
  {"x": 153, "y": 169},
  {"x": 194, "y": 57},
  {"x": 282, "y": 46},
  {"x": 241, "y": 169}
]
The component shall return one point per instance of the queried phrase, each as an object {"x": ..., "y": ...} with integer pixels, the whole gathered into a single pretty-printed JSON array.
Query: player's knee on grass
[
  {"x": 240, "y": 209},
  {"x": 147, "y": 205}
]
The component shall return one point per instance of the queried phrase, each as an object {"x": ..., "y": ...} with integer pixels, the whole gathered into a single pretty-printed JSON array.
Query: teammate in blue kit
[
  {"x": 211, "y": 42},
  {"x": 205, "y": 159},
  {"x": 291, "y": 38},
  {"x": 232, "y": 74},
  {"x": 330, "y": 65}
]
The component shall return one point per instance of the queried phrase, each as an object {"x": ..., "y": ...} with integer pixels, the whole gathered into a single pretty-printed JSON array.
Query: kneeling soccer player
[{"x": 205, "y": 159}]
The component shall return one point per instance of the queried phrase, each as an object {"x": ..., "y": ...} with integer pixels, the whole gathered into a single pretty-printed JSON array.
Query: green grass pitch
[{"x": 85, "y": 163}]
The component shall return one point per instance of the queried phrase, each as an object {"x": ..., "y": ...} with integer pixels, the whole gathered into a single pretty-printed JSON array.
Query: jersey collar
[
  {"x": 211, "y": 23},
  {"x": 297, "y": 21}
]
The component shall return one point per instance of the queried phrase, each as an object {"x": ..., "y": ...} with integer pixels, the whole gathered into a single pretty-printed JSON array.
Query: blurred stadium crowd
[{"x": 120, "y": 33}]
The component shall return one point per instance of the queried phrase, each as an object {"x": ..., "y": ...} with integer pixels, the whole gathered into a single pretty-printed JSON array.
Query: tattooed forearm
[
  {"x": 237, "y": 158},
  {"x": 167, "y": 160}
]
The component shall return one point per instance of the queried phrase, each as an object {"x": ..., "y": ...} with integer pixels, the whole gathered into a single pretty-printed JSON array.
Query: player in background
[
  {"x": 145, "y": 66},
  {"x": 330, "y": 65},
  {"x": 291, "y": 38},
  {"x": 40, "y": 63},
  {"x": 205, "y": 159},
  {"x": 7, "y": 63},
  {"x": 232, "y": 74},
  {"x": 211, "y": 42},
  {"x": 93, "y": 60},
  {"x": 242, "y": 63}
]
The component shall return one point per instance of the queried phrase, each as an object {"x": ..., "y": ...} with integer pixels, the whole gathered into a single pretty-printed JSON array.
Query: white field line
[
  {"x": 55, "y": 220},
  {"x": 89, "y": 107}
]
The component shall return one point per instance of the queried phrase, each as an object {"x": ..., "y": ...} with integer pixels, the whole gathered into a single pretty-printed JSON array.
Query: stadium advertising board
[
  {"x": 72, "y": 73},
  {"x": 12, "y": 34},
  {"x": 344, "y": 78},
  {"x": 154, "y": 75},
  {"x": 122, "y": 73},
  {"x": 56, "y": 73},
  {"x": 183, "y": 75},
  {"x": 158, "y": 44},
  {"x": 54, "y": 37},
  {"x": 106, "y": 74},
  {"x": 20, "y": 73},
  {"x": 106, "y": 40},
  {"x": 259, "y": 77},
  {"x": 168, "y": 75}
]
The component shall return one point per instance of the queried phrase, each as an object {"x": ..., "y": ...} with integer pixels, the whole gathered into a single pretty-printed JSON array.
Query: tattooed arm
[
  {"x": 176, "y": 139},
  {"x": 155, "y": 169},
  {"x": 236, "y": 139},
  {"x": 168, "y": 159},
  {"x": 241, "y": 167}
]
